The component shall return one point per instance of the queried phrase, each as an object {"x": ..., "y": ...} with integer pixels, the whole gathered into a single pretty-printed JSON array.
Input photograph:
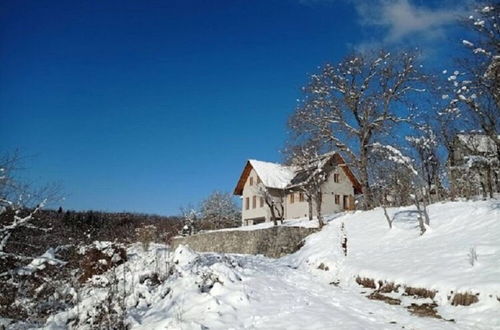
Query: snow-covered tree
[
  {"x": 471, "y": 110},
  {"x": 417, "y": 184},
  {"x": 476, "y": 168},
  {"x": 425, "y": 146},
  {"x": 392, "y": 181},
  {"x": 220, "y": 210},
  {"x": 349, "y": 106},
  {"x": 19, "y": 204},
  {"x": 189, "y": 215},
  {"x": 476, "y": 85},
  {"x": 309, "y": 165}
]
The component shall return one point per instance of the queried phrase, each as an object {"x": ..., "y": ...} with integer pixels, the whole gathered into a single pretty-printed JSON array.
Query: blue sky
[{"x": 149, "y": 105}]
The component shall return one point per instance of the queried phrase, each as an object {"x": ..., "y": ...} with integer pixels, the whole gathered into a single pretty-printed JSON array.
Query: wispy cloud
[
  {"x": 401, "y": 19},
  {"x": 410, "y": 22}
]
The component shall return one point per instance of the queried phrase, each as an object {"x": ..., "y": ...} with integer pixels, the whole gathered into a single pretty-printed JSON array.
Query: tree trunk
[
  {"x": 319, "y": 201},
  {"x": 389, "y": 220},
  {"x": 363, "y": 169},
  {"x": 482, "y": 181},
  {"x": 437, "y": 186},
  {"x": 273, "y": 213},
  {"x": 310, "y": 204},
  {"x": 282, "y": 214},
  {"x": 497, "y": 182},
  {"x": 273, "y": 217},
  {"x": 489, "y": 181},
  {"x": 420, "y": 217},
  {"x": 453, "y": 179},
  {"x": 426, "y": 214},
  {"x": 423, "y": 216}
]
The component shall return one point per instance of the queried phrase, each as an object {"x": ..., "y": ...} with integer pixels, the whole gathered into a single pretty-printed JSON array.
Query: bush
[{"x": 146, "y": 235}]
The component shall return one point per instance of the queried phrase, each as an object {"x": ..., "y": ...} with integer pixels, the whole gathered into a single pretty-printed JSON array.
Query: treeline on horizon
[{"x": 56, "y": 227}]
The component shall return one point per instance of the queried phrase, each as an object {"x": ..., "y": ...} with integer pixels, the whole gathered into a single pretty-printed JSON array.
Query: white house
[{"x": 259, "y": 180}]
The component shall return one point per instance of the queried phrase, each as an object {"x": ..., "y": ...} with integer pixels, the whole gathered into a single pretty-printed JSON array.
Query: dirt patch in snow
[
  {"x": 458, "y": 299},
  {"x": 464, "y": 299},
  {"x": 420, "y": 292},
  {"x": 322, "y": 266},
  {"x": 386, "y": 287},
  {"x": 424, "y": 310},
  {"x": 377, "y": 296},
  {"x": 366, "y": 282}
]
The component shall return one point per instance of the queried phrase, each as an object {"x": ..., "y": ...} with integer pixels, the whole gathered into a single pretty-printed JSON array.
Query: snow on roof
[
  {"x": 478, "y": 142},
  {"x": 273, "y": 175}
]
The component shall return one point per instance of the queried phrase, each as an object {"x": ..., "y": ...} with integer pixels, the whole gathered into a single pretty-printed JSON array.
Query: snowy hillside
[
  {"x": 441, "y": 260},
  {"x": 315, "y": 288}
]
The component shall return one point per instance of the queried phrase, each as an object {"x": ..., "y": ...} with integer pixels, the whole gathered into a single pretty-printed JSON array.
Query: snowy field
[{"x": 315, "y": 287}]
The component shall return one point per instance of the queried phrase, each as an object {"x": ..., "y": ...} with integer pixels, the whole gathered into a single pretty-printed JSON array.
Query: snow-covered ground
[
  {"x": 215, "y": 291},
  {"x": 439, "y": 260},
  {"x": 259, "y": 293}
]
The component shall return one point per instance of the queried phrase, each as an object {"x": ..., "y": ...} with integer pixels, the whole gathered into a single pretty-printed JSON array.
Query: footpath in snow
[{"x": 261, "y": 293}]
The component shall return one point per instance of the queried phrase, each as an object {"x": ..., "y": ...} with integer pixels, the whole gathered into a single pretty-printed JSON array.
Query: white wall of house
[
  {"x": 342, "y": 188},
  {"x": 253, "y": 212},
  {"x": 331, "y": 188},
  {"x": 297, "y": 208}
]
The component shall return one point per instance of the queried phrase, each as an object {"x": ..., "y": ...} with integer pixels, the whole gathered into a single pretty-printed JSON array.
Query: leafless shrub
[
  {"x": 343, "y": 239},
  {"x": 146, "y": 235},
  {"x": 472, "y": 256},
  {"x": 95, "y": 261}
]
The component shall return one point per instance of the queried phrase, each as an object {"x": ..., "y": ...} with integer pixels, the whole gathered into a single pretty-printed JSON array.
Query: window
[
  {"x": 254, "y": 202},
  {"x": 292, "y": 198},
  {"x": 251, "y": 180},
  {"x": 258, "y": 180},
  {"x": 247, "y": 203},
  {"x": 262, "y": 202},
  {"x": 301, "y": 197},
  {"x": 336, "y": 178},
  {"x": 337, "y": 199}
]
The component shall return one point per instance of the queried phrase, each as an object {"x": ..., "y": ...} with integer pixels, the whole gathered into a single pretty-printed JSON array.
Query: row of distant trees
[
  {"x": 396, "y": 122},
  {"x": 27, "y": 228}
]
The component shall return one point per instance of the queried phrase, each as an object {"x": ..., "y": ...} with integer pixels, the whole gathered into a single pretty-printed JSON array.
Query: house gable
[
  {"x": 329, "y": 162},
  {"x": 355, "y": 183},
  {"x": 243, "y": 179}
]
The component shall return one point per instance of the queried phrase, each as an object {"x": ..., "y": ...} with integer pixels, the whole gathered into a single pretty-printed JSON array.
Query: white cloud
[
  {"x": 420, "y": 24},
  {"x": 402, "y": 19}
]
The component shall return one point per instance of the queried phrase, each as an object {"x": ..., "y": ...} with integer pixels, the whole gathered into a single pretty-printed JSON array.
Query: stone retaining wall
[{"x": 272, "y": 242}]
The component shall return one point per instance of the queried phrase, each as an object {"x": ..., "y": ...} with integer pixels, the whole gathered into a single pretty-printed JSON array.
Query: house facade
[{"x": 263, "y": 186}]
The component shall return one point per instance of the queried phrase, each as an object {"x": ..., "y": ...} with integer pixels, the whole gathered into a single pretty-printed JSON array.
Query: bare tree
[
  {"x": 348, "y": 106},
  {"x": 220, "y": 210},
  {"x": 19, "y": 202},
  {"x": 449, "y": 125},
  {"x": 420, "y": 193},
  {"x": 311, "y": 174},
  {"x": 425, "y": 145},
  {"x": 274, "y": 199},
  {"x": 476, "y": 86}
]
